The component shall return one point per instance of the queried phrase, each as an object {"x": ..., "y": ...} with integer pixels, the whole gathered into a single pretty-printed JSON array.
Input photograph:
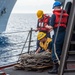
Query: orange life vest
[
  {"x": 43, "y": 22},
  {"x": 63, "y": 20}
]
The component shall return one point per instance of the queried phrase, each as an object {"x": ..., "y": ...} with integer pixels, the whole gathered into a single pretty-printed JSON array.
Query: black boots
[{"x": 54, "y": 70}]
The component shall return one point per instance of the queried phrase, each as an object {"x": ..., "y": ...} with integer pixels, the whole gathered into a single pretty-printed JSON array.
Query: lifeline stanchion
[
  {"x": 24, "y": 45},
  {"x": 30, "y": 40}
]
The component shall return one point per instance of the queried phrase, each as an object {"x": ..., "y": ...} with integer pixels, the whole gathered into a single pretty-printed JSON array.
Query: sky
[{"x": 32, "y": 6}]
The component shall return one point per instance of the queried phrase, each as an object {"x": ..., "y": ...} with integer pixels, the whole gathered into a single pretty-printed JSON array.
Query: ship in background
[
  {"x": 68, "y": 47},
  {"x": 6, "y": 7}
]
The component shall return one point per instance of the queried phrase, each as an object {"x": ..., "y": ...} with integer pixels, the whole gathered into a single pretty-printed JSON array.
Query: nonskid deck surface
[{"x": 12, "y": 71}]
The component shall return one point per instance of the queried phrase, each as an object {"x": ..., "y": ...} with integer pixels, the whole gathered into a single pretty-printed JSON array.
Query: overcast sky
[{"x": 31, "y": 6}]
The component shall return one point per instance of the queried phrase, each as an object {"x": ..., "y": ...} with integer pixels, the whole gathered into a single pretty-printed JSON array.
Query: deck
[{"x": 12, "y": 71}]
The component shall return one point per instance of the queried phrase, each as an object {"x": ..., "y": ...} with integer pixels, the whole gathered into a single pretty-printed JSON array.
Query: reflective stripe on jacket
[
  {"x": 43, "y": 22},
  {"x": 45, "y": 45}
]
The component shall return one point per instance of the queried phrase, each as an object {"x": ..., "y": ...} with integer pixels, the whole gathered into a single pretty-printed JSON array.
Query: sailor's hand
[
  {"x": 50, "y": 29},
  {"x": 47, "y": 26},
  {"x": 36, "y": 30},
  {"x": 36, "y": 52},
  {"x": 47, "y": 50}
]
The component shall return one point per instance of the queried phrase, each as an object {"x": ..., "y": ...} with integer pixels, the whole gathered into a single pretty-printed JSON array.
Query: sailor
[
  {"x": 43, "y": 20},
  {"x": 45, "y": 42},
  {"x": 54, "y": 24}
]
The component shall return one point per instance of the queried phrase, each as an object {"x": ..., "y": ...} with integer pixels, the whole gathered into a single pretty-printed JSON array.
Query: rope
[{"x": 15, "y": 32}]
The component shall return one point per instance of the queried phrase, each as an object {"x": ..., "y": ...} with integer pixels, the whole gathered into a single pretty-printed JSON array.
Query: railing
[{"x": 17, "y": 48}]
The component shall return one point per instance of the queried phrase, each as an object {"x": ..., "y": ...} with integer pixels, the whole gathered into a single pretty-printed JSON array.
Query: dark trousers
[{"x": 59, "y": 45}]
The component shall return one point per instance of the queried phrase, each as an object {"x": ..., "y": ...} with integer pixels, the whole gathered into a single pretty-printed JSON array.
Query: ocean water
[{"x": 13, "y": 39}]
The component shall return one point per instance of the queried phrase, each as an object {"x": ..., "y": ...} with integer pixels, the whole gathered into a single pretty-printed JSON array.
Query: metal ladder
[{"x": 68, "y": 51}]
